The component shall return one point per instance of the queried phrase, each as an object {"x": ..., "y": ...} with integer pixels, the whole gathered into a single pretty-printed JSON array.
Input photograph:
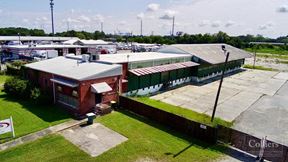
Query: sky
[{"x": 235, "y": 17}]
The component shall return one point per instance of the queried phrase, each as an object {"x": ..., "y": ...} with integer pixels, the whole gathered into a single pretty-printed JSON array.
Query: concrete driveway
[
  {"x": 256, "y": 100},
  {"x": 94, "y": 139}
]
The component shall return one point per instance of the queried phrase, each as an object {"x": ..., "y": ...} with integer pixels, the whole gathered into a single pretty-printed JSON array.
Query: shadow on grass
[
  {"x": 193, "y": 142},
  {"x": 48, "y": 113}
]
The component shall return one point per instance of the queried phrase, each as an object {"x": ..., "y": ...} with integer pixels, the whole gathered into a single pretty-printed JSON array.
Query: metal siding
[
  {"x": 155, "y": 79},
  {"x": 144, "y": 81},
  {"x": 164, "y": 77},
  {"x": 133, "y": 82},
  {"x": 173, "y": 75}
]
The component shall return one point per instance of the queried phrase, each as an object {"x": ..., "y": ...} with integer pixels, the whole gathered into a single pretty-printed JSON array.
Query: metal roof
[
  {"x": 75, "y": 69},
  {"x": 34, "y": 38},
  {"x": 86, "y": 42},
  {"x": 138, "y": 57},
  {"x": 162, "y": 68},
  {"x": 211, "y": 53},
  {"x": 100, "y": 88},
  {"x": 42, "y": 46}
]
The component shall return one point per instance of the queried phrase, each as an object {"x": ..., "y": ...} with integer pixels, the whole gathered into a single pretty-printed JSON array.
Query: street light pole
[
  {"x": 52, "y": 17},
  {"x": 19, "y": 38},
  {"x": 221, "y": 81},
  {"x": 141, "y": 27},
  {"x": 173, "y": 26}
]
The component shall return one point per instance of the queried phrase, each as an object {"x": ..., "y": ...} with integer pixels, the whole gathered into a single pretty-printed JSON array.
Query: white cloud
[
  {"x": 216, "y": 24},
  {"x": 44, "y": 18},
  {"x": 153, "y": 7},
  {"x": 25, "y": 20},
  {"x": 283, "y": 9},
  {"x": 140, "y": 15},
  {"x": 204, "y": 23},
  {"x": 266, "y": 26},
  {"x": 123, "y": 22},
  {"x": 168, "y": 15},
  {"x": 84, "y": 18},
  {"x": 230, "y": 23},
  {"x": 99, "y": 18},
  {"x": 70, "y": 20}
]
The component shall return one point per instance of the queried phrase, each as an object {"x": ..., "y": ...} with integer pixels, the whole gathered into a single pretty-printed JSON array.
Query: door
[{"x": 98, "y": 98}]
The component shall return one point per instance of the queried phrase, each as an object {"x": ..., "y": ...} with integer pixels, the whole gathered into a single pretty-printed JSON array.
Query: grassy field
[
  {"x": 27, "y": 116},
  {"x": 189, "y": 114},
  {"x": 259, "y": 68},
  {"x": 273, "y": 56},
  {"x": 277, "y": 51},
  {"x": 147, "y": 141}
]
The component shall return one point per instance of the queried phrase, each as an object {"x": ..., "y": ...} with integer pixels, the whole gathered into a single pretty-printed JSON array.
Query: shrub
[
  {"x": 15, "y": 86},
  {"x": 18, "y": 63},
  {"x": 35, "y": 93},
  {"x": 39, "y": 97}
]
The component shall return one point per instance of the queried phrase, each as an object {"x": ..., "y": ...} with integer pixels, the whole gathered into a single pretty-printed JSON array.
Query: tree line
[{"x": 220, "y": 37}]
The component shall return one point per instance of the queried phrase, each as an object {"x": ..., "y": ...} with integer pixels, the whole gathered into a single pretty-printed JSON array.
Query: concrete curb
[{"x": 34, "y": 136}]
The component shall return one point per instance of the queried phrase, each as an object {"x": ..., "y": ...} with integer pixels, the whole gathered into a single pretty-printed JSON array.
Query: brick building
[{"x": 78, "y": 84}]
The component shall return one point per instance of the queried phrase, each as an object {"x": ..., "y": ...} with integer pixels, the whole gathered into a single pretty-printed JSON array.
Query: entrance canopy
[
  {"x": 100, "y": 88},
  {"x": 65, "y": 82},
  {"x": 162, "y": 68}
]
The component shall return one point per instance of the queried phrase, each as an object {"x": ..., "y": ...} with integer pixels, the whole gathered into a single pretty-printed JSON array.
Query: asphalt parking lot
[{"x": 257, "y": 102}]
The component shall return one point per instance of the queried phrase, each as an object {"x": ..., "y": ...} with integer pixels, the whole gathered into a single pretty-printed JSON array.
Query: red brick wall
[
  {"x": 87, "y": 98},
  {"x": 124, "y": 86},
  {"x": 42, "y": 78}
]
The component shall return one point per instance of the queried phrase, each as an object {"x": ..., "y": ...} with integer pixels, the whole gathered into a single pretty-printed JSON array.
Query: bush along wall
[{"x": 19, "y": 88}]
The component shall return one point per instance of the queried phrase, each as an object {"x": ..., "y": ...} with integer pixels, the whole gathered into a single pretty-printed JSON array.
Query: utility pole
[
  {"x": 141, "y": 27},
  {"x": 19, "y": 41},
  {"x": 52, "y": 16},
  {"x": 221, "y": 81},
  {"x": 68, "y": 26},
  {"x": 255, "y": 55},
  {"x": 101, "y": 26},
  {"x": 173, "y": 26}
]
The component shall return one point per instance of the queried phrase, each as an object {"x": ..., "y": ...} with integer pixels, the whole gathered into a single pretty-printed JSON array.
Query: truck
[{"x": 44, "y": 54}]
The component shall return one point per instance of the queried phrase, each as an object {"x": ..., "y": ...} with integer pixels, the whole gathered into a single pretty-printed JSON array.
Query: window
[
  {"x": 68, "y": 101},
  {"x": 74, "y": 93},
  {"x": 59, "y": 88}
]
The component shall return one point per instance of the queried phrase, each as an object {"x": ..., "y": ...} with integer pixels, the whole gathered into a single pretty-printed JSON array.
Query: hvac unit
[
  {"x": 94, "y": 57},
  {"x": 85, "y": 58}
]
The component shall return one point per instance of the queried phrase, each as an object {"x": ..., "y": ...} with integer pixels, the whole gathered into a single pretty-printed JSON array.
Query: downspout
[{"x": 54, "y": 95}]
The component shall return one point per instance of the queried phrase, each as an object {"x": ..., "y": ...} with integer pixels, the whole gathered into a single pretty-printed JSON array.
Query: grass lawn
[
  {"x": 28, "y": 117},
  {"x": 3, "y": 78},
  {"x": 189, "y": 114},
  {"x": 146, "y": 140},
  {"x": 273, "y": 56},
  {"x": 259, "y": 68},
  {"x": 277, "y": 51}
]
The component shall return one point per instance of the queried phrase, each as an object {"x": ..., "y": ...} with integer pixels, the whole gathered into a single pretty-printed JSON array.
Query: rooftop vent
[
  {"x": 85, "y": 58},
  {"x": 94, "y": 57}
]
